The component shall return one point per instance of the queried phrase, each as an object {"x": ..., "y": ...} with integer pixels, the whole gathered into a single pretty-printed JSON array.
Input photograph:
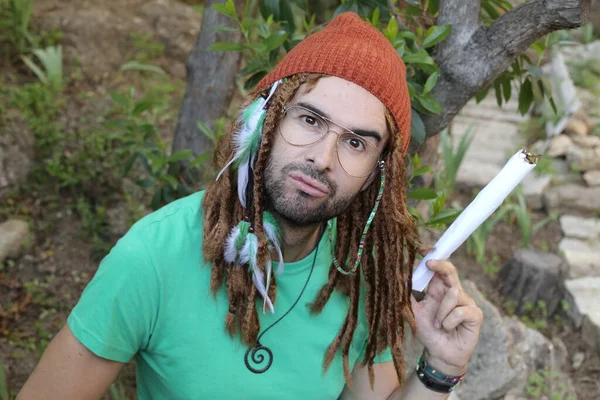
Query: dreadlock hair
[{"x": 386, "y": 264}]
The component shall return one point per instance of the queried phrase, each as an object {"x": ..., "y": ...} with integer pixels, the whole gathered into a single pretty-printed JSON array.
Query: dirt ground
[{"x": 38, "y": 290}]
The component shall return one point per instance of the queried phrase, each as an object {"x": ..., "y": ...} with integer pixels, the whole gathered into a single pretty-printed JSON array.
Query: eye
[
  {"x": 356, "y": 143},
  {"x": 310, "y": 120}
]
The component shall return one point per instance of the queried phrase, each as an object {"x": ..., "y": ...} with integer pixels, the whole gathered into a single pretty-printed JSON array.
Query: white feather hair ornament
[
  {"x": 241, "y": 246},
  {"x": 247, "y": 141}
]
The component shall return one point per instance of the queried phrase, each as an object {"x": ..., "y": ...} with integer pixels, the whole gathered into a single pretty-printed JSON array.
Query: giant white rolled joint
[{"x": 486, "y": 202}]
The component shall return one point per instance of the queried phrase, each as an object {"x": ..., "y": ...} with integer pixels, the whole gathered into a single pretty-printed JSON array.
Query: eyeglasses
[{"x": 300, "y": 126}]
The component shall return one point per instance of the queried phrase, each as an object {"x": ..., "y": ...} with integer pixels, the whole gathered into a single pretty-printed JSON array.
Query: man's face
[{"x": 307, "y": 185}]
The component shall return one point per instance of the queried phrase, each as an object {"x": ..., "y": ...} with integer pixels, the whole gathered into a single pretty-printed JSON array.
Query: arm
[
  {"x": 68, "y": 370},
  {"x": 386, "y": 386},
  {"x": 448, "y": 324}
]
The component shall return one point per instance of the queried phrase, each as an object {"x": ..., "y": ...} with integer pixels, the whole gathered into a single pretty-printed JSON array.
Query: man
[{"x": 290, "y": 276}]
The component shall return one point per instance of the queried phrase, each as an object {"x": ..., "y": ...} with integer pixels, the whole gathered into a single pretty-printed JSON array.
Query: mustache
[{"x": 308, "y": 171}]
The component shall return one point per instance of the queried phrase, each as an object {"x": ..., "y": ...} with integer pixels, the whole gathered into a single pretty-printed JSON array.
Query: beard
[{"x": 295, "y": 209}]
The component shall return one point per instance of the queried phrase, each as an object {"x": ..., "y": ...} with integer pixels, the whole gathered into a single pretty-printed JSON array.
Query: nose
[{"x": 323, "y": 153}]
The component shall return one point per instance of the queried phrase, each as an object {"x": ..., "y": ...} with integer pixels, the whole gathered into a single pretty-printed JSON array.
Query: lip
[{"x": 309, "y": 186}]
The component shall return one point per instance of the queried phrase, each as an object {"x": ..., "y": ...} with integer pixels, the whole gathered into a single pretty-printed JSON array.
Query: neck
[{"x": 298, "y": 242}]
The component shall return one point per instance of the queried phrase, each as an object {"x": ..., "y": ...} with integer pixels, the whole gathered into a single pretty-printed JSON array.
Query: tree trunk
[
  {"x": 530, "y": 278},
  {"x": 210, "y": 81}
]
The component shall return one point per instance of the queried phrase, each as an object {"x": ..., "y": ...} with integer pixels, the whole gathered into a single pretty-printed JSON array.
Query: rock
[
  {"x": 578, "y": 359},
  {"x": 583, "y": 158},
  {"x": 537, "y": 351},
  {"x": 592, "y": 178},
  {"x": 560, "y": 167},
  {"x": 579, "y": 227},
  {"x": 493, "y": 144},
  {"x": 494, "y": 367},
  {"x": 14, "y": 235},
  {"x": 582, "y": 256},
  {"x": 572, "y": 197},
  {"x": 16, "y": 151},
  {"x": 559, "y": 146},
  {"x": 533, "y": 189},
  {"x": 530, "y": 277},
  {"x": 586, "y": 141},
  {"x": 576, "y": 127},
  {"x": 585, "y": 295}
]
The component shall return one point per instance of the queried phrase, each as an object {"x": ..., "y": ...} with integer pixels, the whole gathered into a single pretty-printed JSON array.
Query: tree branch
[{"x": 471, "y": 58}]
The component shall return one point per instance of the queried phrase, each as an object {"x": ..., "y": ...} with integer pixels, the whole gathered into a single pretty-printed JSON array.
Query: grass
[{"x": 15, "y": 25}]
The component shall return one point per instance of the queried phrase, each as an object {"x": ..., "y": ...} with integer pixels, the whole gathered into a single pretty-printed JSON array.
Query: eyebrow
[{"x": 360, "y": 132}]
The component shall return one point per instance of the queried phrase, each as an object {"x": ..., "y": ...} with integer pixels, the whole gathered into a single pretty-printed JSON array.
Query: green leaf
[
  {"x": 481, "y": 94},
  {"x": 417, "y": 128},
  {"x": 137, "y": 66},
  {"x": 287, "y": 16},
  {"x": 431, "y": 82},
  {"x": 430, "y": 104},
  {"x": 226, "y": 46},
  {"x": 392, "y": 30},
  {"x": 201, "y": 159},
  {"x": 275, "y": 40},
  {"x": 525, "y": 97},
  {"x": 498, "y": 92},
  {"x": 433, "y": 7},
  {"x": 422, "y": 194},
  {"x": 420, "y": 171},
  {"x": 436, "y": 34},
  {"x": 145, "y": 183},
  {"x": 443, "y": 218},
  {"x": 270, "y": 7},
  {"x": 129, "y": 164},
  {"x": 507, "y": 89},
  {"x": 419, "y": 57},
  {"x": 179, "y": 155},
  {"x": 119, "y": 99},
  {"x": 156, "y": 200},
  {"x": 227, "y": 9},
  {"x": 36, "y": 70},
  {"x": 254, "y": 79},
  {"x": 375, "y": 17}
]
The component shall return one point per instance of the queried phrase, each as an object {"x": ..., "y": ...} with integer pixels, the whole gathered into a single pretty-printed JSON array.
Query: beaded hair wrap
[
  {"x": 241, "y": 246},
  {"x": 363, "y": 237}
]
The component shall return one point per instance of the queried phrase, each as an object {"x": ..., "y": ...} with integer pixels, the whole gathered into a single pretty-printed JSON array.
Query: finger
[
  {"x": 448, "y": 303},
  {"x": 469, "y": 316},
  {"x": 446, "y": 270}
]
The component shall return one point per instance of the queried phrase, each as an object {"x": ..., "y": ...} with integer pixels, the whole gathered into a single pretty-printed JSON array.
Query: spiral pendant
[{"x": 256, "y": 355}]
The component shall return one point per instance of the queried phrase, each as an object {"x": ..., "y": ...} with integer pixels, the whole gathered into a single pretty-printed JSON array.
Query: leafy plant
[
  {"x": 476, "y": 243},
  {"x": 520, "y": 211},
  {"x": 546, "y": 384},
  {"x": 142, "y": 145},
  {"x": 52, "y": 63},
  {"x": 15, "y": 19},
  {"x": 446, "y": 179}
]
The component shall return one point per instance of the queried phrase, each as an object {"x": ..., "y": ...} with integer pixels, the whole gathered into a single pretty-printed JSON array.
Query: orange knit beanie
[{"x": 354, "y": 50}]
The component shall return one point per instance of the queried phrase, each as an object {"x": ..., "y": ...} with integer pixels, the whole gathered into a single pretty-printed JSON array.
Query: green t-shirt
[{"x": 150, "y": 299}]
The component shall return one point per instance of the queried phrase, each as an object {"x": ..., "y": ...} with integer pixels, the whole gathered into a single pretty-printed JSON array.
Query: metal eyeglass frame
[{"x": 329, "y": 122}]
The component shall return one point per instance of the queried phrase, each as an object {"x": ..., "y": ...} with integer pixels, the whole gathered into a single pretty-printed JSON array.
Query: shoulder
[{"x": 179, "y": 218}]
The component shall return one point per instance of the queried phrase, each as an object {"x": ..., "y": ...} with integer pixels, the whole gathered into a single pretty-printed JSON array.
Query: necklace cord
[
  {"x": 299, "y": 297},
  {"x": 253, "y": 352}
]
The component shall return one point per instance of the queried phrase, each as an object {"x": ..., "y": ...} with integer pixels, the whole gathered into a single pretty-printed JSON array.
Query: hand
[{"x": 448, "y": 320}]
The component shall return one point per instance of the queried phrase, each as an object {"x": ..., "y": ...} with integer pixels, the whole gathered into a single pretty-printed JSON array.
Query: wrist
[
  {"x": 443, "y": 366},
  {"x": 438, "y": 375}
]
